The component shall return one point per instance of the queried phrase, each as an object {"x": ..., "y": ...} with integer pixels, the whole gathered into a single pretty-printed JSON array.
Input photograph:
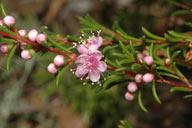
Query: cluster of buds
[
  {"x": 32, "y": 35},
  {"x": 140, "y": 78},
  {"x": 58, "y": 61},
  {"x": 89, "y": 64}
]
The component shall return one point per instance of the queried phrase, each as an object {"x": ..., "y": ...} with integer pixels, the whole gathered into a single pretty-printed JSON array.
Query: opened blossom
[
  {"x": 90, "y": 66},
  {"x": 90, "y": 45}
]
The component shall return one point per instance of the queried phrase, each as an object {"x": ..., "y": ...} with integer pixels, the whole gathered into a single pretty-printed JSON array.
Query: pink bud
[
  {"x": 59, "y": 60},
  {"x": 32, "y": 35},
  {"x": 22, "y": 32},
  {"x": 145, "y": 53},
  {"x": 132, "y": 87},
  {"x": 167, "y": 61},
  {"x": 52, "y": 68},
  {"x": 148, "y": 60},
  {"x": 129, "y": 96},
  {"x": 4, "y": 48},
  {"x": 138, "y": 78},
  {"x": 148, "y": 77},
  {"x": 9, "y": 20},
  {"x": 180, "y": 22},
  {"x": 41, "y": 37},
  {"x": 23, "y": 45},
  {"x": 26, "y": 55},
  {"x": 1, "y": 23},
  {"x": 140, "y": 56}
]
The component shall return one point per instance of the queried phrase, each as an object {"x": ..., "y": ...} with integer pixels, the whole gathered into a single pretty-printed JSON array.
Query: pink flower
[
  {"x": 4, "y": 48},
  {"x": 22, "y": 32},
  {"x": 32, "y": 35},
  {"x": 138, "y": 78},
  {"x": 148, "y": 77},
  {"x": 1, "y": 23},
  {"x": 41, "y": 37},
  {"x": 148, "y": 60},
  {"x": 129, "y": 96},
  {"x": 59, "y": 60},
  {"x": 26, "y": 55},
  {"x": 9, "y": 20},
  {"x": 52, "y": 68},
  {"x": 91, "y": 45},
  {"x": 90, "y": 65},
  {"x": 132, "y": 87}
]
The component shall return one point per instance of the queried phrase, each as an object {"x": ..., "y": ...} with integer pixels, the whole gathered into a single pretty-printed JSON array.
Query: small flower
[
  {"x": 132, "y": 87},
  {"x": 22, "y": 32},
  {"x": 91, "y": 45},
  {"x": 140, "y": 56},
  {"x": 59, "y": 60},
  {"x": 9, "y": 21},
  {"x": 52, "y": 68},
  {"x": 148, "y": 60},
  {"x": 90, "y": 65},
  {"x": 26, "y": 55},
  {"x": 32, "y": 35},
  {"x": 145, "y": 53},
  {"x": 148, "y": 77},
  {"x": 129, "y": 96},
  {"x": 167, "y": 61},
  {"x": 41, "y": 37},
  {"x": 138, "y": 78},
  {"x": 4, "y": 49}
]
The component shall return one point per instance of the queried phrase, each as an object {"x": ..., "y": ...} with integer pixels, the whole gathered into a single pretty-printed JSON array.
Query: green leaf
[
  {"x": 151, "y": 49},
  {"x": 140, "y": 101},
  {"x": 189, "y": 24},
  {"x": 175, "y": 54},
  {"x": 188, "y": 96},
  {"x": 164, "y": 69},
  {"x": 168, "y": 74},
  {"x": 125, "y": 124},
  {"x": 179, "y": 35},
  {"x": 58, "y": 77},
  {"x": 9, "y": 57},
  {"x": 172, "y": 39},
  {"x": 151, "y": 35},
  {"x": 56, "y": 44},
  {"x": 3, "y": 9},
  {"x": 181, "y": 13},
  {"x": 6, "y": 40},
  {"x": 155, "y": 93},
  {"x": 129, "y": 55},
  {"x": 111, "y": 80},
  {"x": 180, "y": 89},
  {"x": 111, "y": 63},
  {"x": 127, "y": 37}
]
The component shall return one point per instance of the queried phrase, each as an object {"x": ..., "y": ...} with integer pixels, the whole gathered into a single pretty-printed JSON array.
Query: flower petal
[
  {"x": 82, "y": 59},
  {"x": 81, "y": 71},
  {"x": 97, "y": 54},
  {"x": 93, "y": 47},
  {"x": 99, "y": 41},
  {"x": 102, "y": 66},
  {"x": 94, "y": 76},
  {"x": 82, "y": 49}
]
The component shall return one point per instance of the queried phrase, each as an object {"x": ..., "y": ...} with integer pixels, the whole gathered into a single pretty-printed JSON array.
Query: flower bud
[
  {"x": 26, "y": 55},
  {"x": 140, "y": 56},
  {"x": 59, "y": 60},
  {"x": 148, "y": 60},
  {"x": 22, "y": 32},
  {"x": 148, "y": 77},
  {"x": 52, "y": 68},
  {"x": 9, "y": 21},
  {"x": 145, "y": 53},
  {"x": 132, "y": 87},
  {"x": 129, "y": 96},
  {"x": 32, "y": 35},
  {"x": 1, "y": 23},
  {"x": 4, "y": 49},
  {"x": 41, "y": 37},
  {"x": 167, "y": 61},
  {"x": 138, "y": 78}
]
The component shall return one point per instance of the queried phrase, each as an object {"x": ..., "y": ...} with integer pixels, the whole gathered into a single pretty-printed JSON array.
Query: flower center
[{"x": 92, "y": 63}]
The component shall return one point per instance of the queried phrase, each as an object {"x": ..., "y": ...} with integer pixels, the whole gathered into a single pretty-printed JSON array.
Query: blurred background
[{"x": 29, "y": 97}]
